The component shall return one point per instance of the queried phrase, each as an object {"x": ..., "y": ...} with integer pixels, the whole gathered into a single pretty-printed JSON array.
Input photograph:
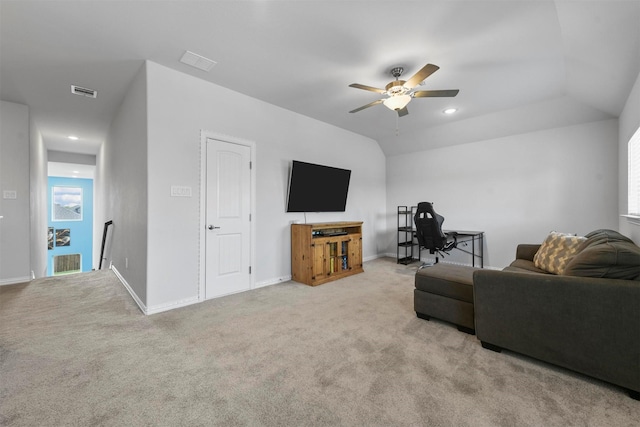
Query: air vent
[
  {"x": 65, "y": 264},
  {"x": 197, "y": 61},
  {"x": 84, "y": 91}
]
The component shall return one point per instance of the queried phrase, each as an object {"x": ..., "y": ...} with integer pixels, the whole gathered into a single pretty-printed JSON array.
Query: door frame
[{"x": 204, "y": 136}]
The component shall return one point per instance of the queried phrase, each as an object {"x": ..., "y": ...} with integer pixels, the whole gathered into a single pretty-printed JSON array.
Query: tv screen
[{"x": 317, "y": 188}]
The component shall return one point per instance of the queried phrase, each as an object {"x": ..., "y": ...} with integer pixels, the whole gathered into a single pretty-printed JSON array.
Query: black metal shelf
[
  {"x": 408, "y": 248},
  {"x": 406, "y": 260}
]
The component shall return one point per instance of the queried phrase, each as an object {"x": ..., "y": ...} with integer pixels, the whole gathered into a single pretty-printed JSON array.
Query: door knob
[{"x": 212, "y": 227}]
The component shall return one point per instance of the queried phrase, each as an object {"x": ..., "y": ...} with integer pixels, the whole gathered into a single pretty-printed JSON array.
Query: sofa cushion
[
  {"x": 447, "y": 280},
  {"x": 524, "y": 266},
  {"x": 556, "y": 250},
  {"x": 607, "y": 254},
  {"x": 603, "y": 236}
]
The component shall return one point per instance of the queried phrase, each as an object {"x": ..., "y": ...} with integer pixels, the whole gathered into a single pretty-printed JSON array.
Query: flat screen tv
[{"x": 317, "y": 188}]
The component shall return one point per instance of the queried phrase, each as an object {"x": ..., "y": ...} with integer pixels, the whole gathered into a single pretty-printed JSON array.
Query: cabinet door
[
  {"x": 338, "y": 254},
  {"x": 319, "y": 260},
  {"x": 355, "y": 251},
  {"x": 345, "y": 254},
  {"x": 333, "y": 257}
]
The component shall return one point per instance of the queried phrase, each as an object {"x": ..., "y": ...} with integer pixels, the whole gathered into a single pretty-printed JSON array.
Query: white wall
[
  {"x": 65, "y": 157},
  {"x": 38, "y": 171},
  {"x": 180, "y": 106},
  {"x": 122, "y": 181},
  {"x": 516, "y": 188},
  {"x": 15, "y": 235},
  {"x": 101, "y": 213},
  {"x": 629, "y": 122}
]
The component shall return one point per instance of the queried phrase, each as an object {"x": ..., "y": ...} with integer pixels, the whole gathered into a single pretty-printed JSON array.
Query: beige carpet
[{"x": 76, "y": 350}]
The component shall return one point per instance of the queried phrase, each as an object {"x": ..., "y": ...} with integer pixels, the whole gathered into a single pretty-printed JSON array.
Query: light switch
[
  {"x": 10, "y": 194},
  {"x": 180, "y": 191}
]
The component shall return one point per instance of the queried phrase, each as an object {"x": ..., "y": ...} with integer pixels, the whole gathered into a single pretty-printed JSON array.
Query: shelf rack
[{"x": 408, "y": 247}]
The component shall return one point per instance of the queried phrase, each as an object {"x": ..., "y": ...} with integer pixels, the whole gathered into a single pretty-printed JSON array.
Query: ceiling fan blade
[
  {"x": 371, "y": 104},
  {"x": 403, "y": 112},
  {"x": 418, "y": 77},
  {"x": 435, "y": 93},
  {"x": 365, "y": 87}
]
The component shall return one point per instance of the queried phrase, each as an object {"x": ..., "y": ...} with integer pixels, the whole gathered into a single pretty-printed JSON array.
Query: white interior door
[{"x": 228, "y": 226}]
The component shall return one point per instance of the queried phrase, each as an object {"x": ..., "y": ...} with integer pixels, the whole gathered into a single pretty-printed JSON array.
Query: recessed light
[
  {"x": 450, "y": 110},
  {"x": 72, "y": 137}
]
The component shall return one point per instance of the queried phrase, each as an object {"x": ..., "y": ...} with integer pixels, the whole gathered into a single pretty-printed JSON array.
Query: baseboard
[
  {"x": 171, "y": 305},
  {"x": 428, "y": 260},
  {"x": 189, "y": 301},
  {"x": 282, "y": 279},
  {"x": 389, "y": 255},
  {"x": 274, "y": 281},
  {"x": 15, "y": 280},
  {"x": 155, "y": 308},
  {"x": 138, "y": 301},
  {"x": 444, "y": 261},
  {"x": 371, "y": 258}
]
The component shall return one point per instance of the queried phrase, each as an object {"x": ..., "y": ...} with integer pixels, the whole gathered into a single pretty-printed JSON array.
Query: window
[
  {"x": 634, "y": 174},
  {"x": 67, "y": 204}
]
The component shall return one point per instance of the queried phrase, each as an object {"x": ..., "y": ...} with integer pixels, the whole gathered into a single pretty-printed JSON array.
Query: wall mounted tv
[{"x": 317, "y": 188}]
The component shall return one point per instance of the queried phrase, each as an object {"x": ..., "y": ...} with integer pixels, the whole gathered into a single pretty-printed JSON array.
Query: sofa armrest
[
  {"x": 526, "y": 251},
  {"x": 588, "y": 325}
]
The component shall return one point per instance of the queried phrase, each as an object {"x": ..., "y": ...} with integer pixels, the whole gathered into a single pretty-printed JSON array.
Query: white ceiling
[{"x": 520, "y": 65}]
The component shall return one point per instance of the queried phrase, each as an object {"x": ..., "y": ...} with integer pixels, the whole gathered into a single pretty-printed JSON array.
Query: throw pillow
[
  {"x": 606, "y": 254},
  {"x": 556, "y": 251}
]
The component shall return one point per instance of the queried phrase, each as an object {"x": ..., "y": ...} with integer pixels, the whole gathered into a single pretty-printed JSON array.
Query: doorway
[
  {"x": 228, "y": 216},
  {"x": 69, "y": 219}
]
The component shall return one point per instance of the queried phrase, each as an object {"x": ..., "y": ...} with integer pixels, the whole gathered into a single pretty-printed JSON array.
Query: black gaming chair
[{"x": 429, "y": 231}]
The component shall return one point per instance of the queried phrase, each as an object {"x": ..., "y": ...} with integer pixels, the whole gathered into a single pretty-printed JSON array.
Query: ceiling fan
[{"x": 400, "y": 92}]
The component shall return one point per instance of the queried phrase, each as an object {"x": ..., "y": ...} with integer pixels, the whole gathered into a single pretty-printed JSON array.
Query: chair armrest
[
  {"x": 526, "y": 251},
  {"x": 590, "y": 325}
]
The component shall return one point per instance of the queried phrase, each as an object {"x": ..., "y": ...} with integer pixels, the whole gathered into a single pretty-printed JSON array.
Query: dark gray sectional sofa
[{"x": 586, "y": 320}]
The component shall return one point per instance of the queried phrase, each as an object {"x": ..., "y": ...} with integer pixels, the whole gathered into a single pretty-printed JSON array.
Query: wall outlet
[{"x": 9, "y": 194}]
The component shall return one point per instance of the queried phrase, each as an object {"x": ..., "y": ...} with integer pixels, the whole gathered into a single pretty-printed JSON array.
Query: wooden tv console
[{"x": 327, "y": 251}]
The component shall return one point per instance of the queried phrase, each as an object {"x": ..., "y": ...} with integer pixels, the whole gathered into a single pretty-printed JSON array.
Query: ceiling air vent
[
  {"x": 197, "y": 61},
  {"x": 84, "y": 91}
]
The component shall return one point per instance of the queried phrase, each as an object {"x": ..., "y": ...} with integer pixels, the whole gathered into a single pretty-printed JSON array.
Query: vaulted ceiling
[{"x": 519, "y": 65}]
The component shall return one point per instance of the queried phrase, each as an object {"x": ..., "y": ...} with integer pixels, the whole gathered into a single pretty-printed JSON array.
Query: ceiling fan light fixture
[
  {"x": 396, "y": 88},
  {"x": 397, "y": 102},
  {"x": 399, "y": 92}
]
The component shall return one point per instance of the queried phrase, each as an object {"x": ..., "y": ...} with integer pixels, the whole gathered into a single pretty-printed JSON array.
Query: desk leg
[
  {"x": 473, "y": 251},
  {"x": 481, "y": 250}
]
